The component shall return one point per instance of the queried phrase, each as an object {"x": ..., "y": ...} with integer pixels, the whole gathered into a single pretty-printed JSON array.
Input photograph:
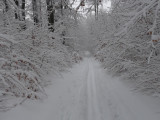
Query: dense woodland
[
  {"x": 39, "y": 36},
  {"x": 35, "y": 38},
  {"x": 128, "y": 45}
]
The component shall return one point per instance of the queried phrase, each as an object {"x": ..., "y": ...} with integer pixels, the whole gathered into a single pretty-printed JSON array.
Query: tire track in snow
[
  {"x": 93, "y": 108},
  {"x": 75, "y": 110}
]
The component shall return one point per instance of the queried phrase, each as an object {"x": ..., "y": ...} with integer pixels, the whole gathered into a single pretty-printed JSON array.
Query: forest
[{"x": 42, "y": 37}]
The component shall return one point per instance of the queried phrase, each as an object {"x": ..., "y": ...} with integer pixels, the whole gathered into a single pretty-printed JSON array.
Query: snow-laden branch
[
  {"x": 8, "y": 38},
  {"x": 138, "y": 14}
]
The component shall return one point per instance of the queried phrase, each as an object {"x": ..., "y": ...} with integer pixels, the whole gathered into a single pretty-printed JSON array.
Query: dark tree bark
[
  {"x": 61, "y": 6},
  {"x": 35, "y": 11},
  {"x": 20, "y": 15},
  {"x": 5, "y": 10},
  {"x": 6, "y": 6},
  {"x": 17, "y": 16},
  {"x": 96, "y": 4},
  {"x": 20, "y": 12},
  {"x": 23, "y": 15},
  {"x": 23, "y": 10},
  {"x": 51, "y": 14}
]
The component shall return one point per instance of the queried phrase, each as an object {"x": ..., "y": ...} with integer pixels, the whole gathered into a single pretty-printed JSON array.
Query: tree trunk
[
  {"x": 51, "y": 14},
  {"x": 96, "y": 3},
  {"x": 17, "y": 16},
  {"x": 35, "y": 11},
  {"x": 6, "y": 8},
  {"x": 61, "y": 7},
  {"x": 36, "y": 4},
  {"x": 23, "y": 10}
]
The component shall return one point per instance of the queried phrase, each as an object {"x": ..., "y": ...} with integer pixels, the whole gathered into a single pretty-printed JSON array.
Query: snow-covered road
[{"x": 87, "y": 93}]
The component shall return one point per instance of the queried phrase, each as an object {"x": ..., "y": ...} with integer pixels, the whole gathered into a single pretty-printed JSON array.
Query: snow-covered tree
[
  {"x": 34, "y": 40},
  {"x": 130, "y": 44}
]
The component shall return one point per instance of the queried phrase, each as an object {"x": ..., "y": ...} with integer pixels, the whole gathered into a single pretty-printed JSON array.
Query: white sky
[{"x": 106, "y": 4}]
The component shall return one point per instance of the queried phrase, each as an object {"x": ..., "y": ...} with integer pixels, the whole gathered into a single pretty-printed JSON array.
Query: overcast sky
[{"x": 106, "y": 4}]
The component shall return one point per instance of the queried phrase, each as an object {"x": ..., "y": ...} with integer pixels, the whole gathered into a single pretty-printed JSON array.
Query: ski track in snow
[
  {"x": 87, "y": 93},
  {"x": 93, "y": 110}
]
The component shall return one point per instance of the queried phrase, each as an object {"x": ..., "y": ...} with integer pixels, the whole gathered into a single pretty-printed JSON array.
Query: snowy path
[
  {"x": 87, "y": 93},
  {"x": 93, "y": 108}
]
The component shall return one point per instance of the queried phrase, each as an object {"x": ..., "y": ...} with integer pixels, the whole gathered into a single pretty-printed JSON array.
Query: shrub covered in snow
[
  {"x": 32, "y": 46},
  {"x": 130, "y": 47}
]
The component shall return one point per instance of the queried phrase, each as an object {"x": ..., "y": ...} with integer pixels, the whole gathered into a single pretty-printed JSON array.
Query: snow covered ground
[{"x": 87, "y": 93}]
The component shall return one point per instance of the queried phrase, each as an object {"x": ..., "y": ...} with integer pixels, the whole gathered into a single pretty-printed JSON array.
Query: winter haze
[{"x": 79, "y": 59}]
